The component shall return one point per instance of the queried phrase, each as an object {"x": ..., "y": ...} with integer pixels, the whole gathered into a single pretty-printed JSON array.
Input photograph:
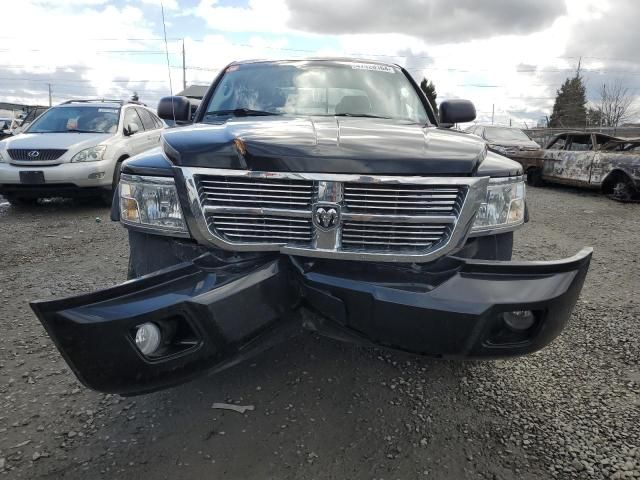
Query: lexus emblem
[
  {"x": 33, "y": 154},
  {"x": 326, "y": 216}
]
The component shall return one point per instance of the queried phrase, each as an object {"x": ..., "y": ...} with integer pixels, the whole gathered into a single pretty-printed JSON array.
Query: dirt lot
[{"x": 324, "y": 409}]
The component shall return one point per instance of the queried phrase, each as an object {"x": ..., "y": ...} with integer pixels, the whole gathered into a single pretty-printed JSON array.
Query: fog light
[
  {"x": 148, "y": 338},
  {"x": 96, "y": 176},
  {"x": 519, "y": 320}
]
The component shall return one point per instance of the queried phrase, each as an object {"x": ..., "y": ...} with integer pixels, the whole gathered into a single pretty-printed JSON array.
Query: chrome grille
[
  {"x": 261, "y": 229},
  {"x": 403, "y": 199},
  {"x": 393, "y": 236},
  {"x": 44, "y": 154},
  {"x": 262, "y": 193},
  {"x": 379, "y": 218}
]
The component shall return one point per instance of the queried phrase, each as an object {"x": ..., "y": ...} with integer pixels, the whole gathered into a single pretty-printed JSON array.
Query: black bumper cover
[{"x": 223, "y": 313}]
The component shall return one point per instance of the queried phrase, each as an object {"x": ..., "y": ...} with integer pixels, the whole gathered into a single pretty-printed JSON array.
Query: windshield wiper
[
  {"x": 75, "y": 130},
  {"x": 365, "y": 115},
  {"x": 240, "y": 112}
]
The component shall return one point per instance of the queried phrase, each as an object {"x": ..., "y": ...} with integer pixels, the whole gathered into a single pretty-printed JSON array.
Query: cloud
[
  {"x": 611, "y": 33},
  {"x": 258, "y": 16},
  {"x": 439, "y": 21}
]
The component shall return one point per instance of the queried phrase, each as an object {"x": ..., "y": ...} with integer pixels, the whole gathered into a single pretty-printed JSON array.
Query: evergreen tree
[
  {"x": 429, "y": 90},
  {"x": 569, "y": 109}
]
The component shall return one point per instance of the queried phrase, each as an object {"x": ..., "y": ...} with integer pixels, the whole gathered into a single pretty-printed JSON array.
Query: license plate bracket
[{"x": 35, "y": 177}]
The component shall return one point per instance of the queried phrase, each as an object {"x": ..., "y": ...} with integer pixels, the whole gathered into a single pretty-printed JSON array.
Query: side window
[
  {"x": 157, "y": 121},
  {"x": 147, "y": 119},
  {"x": 602, "y": 140},
  {"x": 581, "y": 143},
  {"x": 130, "y": 116},
  {"x": 558, "y": 144}
]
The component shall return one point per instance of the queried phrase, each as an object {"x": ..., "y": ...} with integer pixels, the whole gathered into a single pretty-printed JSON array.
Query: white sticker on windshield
[
  {"x": 372, "y": 66},
  {"x": 108, "y": 110}
]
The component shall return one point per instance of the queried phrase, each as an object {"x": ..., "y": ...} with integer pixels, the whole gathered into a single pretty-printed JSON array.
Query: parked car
[
  {"x": 20, "y": 124},
  {"x": 592, "y": 160},
  {"x": 75, "y": 149},
  {"x": 323, "y": 183},
  {"x": 5, "y": 124},
  {"x": 507, "y": 141}
]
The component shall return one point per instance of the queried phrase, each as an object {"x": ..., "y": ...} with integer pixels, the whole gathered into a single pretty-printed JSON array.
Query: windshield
[
  {"x": 77, "y": 119},
  {"x": 505, "y": 134},
  {"x": 316, "y": 88}
]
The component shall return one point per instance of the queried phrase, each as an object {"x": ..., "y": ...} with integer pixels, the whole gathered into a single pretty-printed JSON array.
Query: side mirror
[
  {"x": 130, "y": 129},
  {"x": 175, "y": 108},
  {"x": 456, "y": 111}
]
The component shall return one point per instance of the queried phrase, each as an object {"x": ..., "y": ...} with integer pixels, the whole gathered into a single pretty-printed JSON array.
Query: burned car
[
  {"x": 592, "y": 160},
  {"x": 323, "y": 184}
]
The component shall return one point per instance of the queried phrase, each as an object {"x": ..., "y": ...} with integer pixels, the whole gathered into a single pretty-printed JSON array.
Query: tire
[
  {"x": 131, "y": 271},
  {"x": 21, "y": 201},
  {"x": 116, "y": 174},
  {"x": 107, "y": 197},
  {"x": 623, "y": 189},
  {"x": 534, "y": 177}
]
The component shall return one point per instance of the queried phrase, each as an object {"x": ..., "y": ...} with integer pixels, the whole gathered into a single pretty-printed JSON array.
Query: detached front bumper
[{"x": 213, "y": 315}]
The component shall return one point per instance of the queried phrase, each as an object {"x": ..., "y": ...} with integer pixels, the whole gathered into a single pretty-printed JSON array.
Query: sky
[{"x": 507, "y": 56}]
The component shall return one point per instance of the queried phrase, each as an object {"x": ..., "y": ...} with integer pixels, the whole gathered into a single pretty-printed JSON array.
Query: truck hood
[
  {"x": 325, "y": 145},
  {"x": 66, "y": 141}
]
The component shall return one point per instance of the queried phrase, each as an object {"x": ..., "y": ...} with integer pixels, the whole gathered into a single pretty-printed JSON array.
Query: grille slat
[
  {"x": 275, "y": 183},
  {"x": 398, "y": 206},
  {"x": 44, "y": 154}
]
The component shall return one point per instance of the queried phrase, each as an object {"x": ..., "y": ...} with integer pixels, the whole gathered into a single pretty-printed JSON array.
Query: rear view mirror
[
  {"x": 456, "y": 111},
  {"x": 131, "y": 128},
  {"x": 175, "y": 108}
]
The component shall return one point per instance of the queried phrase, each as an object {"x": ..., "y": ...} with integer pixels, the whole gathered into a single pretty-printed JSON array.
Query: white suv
[{"x": 75, "y": 149}]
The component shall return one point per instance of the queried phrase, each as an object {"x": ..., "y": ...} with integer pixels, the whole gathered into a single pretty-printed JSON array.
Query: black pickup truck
[{"x": 324, "y": 184}]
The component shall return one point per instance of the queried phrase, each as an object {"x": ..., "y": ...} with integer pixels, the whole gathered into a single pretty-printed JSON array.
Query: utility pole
[
  {"x": 493, "y": 111},
  {"x": 184, "y": 68},
  {"x": 49, "y": 85}
]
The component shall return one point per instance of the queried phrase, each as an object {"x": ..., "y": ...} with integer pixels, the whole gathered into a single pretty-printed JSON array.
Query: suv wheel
[{"x": 22, "y": 201}]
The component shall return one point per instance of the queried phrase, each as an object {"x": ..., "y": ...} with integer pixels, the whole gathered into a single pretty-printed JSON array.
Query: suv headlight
[
  {"x": 498, "y": 149},
  {"x": 4, "y": 157},
  {"x": 151, "y": 203},
  {"x": 503, "y": 207},
  {"x": 92, "y": 154}
]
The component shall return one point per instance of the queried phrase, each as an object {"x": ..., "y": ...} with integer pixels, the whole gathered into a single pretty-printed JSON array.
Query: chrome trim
[
  {"x": 155, "y": 230},
  {"x": 476, "y": 188},
  {"x": 496, "y": 230}
]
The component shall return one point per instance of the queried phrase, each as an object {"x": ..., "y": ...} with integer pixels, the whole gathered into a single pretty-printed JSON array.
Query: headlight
[
  {"x": 151, "y": 203},
  {"x": 503, "y": 207},
  {"x": 92, "y": 154},
  {"x": 498, "y": 149},
  {"x": 4, "y": 157}
]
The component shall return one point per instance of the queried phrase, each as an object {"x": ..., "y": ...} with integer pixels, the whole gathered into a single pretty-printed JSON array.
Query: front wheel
[{"x": 534, "y": 177}]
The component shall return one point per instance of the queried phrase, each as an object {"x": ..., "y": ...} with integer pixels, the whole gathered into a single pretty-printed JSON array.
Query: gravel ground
[{"x": 325, "y": 409}]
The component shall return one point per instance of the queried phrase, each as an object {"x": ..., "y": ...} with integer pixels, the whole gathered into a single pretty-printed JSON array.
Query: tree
[
  {"x": 569, "y": 109},
  {"x": 594, "y": 117},
  {"x": 615, "y": 104},
  {"x": 429, "y": 90}
]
